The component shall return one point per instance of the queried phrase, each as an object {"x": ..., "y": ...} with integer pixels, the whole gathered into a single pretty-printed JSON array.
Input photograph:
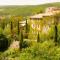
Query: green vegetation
[
  {"x": 18, "y": 28},
  {"x": 44, "y": 47},
  {"x": 4, "y": 42},
  {"x": 26, "y": 10},
  {"x": 21, "y": 40},
  {"x": 38, "y": 51},
  {"x": 38, "y": 38}
]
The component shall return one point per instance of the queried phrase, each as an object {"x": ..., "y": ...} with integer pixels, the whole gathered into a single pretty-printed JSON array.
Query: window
[
  {"x": 45, "y": 29},
  {"x": 38, "y": 27},
  {"x": 33, "y": 25}
]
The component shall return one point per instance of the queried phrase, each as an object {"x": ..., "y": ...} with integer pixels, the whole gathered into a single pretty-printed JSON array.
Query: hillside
[
  {"x": 37, "y": 38},
  {"x": 25, "y": 10}
]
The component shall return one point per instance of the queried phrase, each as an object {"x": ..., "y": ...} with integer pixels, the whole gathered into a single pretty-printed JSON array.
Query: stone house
[{"x": 42, "y": 22}]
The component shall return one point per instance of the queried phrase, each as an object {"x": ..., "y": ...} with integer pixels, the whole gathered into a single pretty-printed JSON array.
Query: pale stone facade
[{"x": 35, "y": 21}]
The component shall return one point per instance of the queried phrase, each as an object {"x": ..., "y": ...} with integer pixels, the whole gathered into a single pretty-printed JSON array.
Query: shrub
[
  {"x": 1, "y": 30},
  {"x": 4, "y": 44},
  {"x": 7, "y": 30},
  {"x": 41, "y": 51},
  {"x": 25, "y": 44},
  {"x": 10, "y": 54}
]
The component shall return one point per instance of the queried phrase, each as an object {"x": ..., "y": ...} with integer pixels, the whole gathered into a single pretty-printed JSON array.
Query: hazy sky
[{"x": 25, "y": 2}]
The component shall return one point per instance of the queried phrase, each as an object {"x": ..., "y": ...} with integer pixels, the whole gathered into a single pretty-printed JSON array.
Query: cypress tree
[
  {"x": 21, "y": 39},
  {"x": 38, "y": 38},
  {"x": 26, "y": 30},
  {"x": 56, "y": 29},
  {"x": 3, "y": 25},
  {"x": 11, "y": 27},
  {"x": 26, "y": 26},
  {"x": 4, "y": 42},
  {"x": 18, "y": 27}
]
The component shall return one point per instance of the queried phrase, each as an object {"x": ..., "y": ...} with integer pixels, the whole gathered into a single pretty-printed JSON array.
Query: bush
[
  {"x": 41, "y": 51},
  {"x": 1, "y": 30},
  {"x": 7, "y": 30},
  {"x": 25, "y": 44},
  {"x": 4, "y": 43},
  {"x": 10, "y": 54}
]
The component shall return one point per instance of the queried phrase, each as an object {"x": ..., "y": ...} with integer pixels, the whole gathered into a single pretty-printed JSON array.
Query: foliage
[
  {"x": 26, "y": 10},
  {"x": 7, "y": 30},
  {"x": 38, "y": 37},
  {"x": 51, "y": 32},
  {"x": 26, "y": 29},
  {"x": 1, "y": 30},
  {"x": 41, "y": 51},
  {"x": 4, "y": 43},
  {"x": 11, "y": 27},
  {"x": 58, "y": 33},
  {"x": 30, "y": 50},
  {"x": 18, "y": 28},
  {"x": 10, "y": 54},
  {"x": 21, "y": 40},
  {"x": 25, "y": 44}
]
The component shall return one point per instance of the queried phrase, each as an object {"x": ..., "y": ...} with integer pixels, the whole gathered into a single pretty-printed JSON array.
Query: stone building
[{"x": 41, "y": 22}]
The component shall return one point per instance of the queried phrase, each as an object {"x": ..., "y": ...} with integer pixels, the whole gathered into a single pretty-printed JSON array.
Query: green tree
[
  {"x": 18, "y": 27},
  {"x": 26, "y": 29},
  {"x": 56, "y": 20},
  {"x": 4, "y": 43},
  {"x": 26, "y": 26},
  {"x": 21, "y": 39},
  {"x": 38, "y": 37},
  {"x": 3, "y": 23},
  {"x": 11, "y": 27}
]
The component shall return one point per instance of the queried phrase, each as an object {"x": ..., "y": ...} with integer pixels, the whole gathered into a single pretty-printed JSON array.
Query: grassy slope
[{"x": 26, "y": 10}]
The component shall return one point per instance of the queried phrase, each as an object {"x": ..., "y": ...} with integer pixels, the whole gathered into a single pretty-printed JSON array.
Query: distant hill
[{"x": 25, "y": 10}]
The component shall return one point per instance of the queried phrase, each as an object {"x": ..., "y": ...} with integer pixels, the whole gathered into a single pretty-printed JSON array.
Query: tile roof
[{"x": 41, "y": 15}]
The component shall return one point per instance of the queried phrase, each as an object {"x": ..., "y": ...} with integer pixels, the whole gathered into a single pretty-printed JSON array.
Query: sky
[{"x": 26, "y": 2}]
